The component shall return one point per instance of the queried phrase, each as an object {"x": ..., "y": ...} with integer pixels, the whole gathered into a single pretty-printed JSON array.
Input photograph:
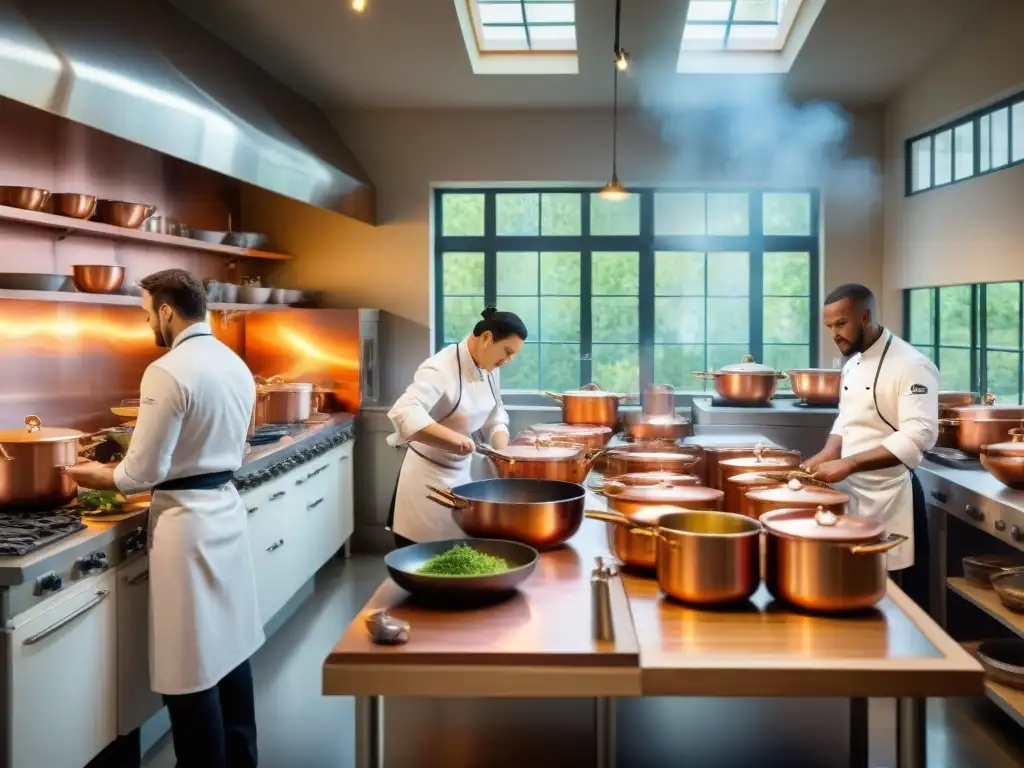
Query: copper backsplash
[{"x": 69, "y": 363}]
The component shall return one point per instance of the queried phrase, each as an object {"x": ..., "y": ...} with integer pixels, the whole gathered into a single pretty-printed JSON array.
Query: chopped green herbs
[
  {"x": 463, "y": 560},
  {"x": 99, "y": 502}
]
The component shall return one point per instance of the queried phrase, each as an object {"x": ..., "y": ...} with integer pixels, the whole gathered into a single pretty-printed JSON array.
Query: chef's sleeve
[
  {"x": 837, "y": 427},
  {"x": 917, "y": 409},
  {"x": 497, "y": 419},
  {"x": 411, "y": 412},
  {"x": 161, "y": 410}
]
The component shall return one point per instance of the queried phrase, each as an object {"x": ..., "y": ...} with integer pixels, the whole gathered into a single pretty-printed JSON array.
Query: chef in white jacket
[
  {"x": 455, "y": 394},
  {"x": 888, "y": 418},
  {"x": 195, "y": 407}
]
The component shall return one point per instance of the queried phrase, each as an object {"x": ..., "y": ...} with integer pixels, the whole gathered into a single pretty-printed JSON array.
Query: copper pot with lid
[
  {"x": 282, "y": 402},
  {"x": 826, "y": 562},
  {"x": 590, "y": 436},
  {"x": 31, "y": 460},
  {"x": 654, "y": 456},
  {"x": 761, "y": 460},
  {"x": 646, "y": 479},
  {"x": 746, "y": 383},
  {"x": 977, "y": 425},
  {"x": 643, "y": 427},
  {"x": 737, "y": 487},
  {"x": 631, "y": 500},
  {"x": 796, "y": 494},
  {"x": 568, "y": 462},
  {"x": 1005, "y": 461},
  {"x": 713, "y": 454},
  {"x": 590, "y": 405},
  {"x": 947, "y": 401}
]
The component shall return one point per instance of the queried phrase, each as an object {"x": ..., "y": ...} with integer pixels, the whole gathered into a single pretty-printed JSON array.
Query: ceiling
[{"x": 411, "y": 54}]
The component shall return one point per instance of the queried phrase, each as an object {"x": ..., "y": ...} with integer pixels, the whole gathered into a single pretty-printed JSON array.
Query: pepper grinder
[{"x": 601, "y": 602}]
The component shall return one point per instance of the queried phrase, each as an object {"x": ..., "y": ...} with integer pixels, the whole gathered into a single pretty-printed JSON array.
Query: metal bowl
[
  {"x": 253, "y": 294},
  {"x": 122, "y": 214},
  {"x": 250, "y": 240},
  {"x": 207, "y": 235},
  {"x": 816, "y": 386},
  {"x": 1009, "y": 586},
  {"x": 121, "y": 435},
  {"x": 980, "y": 569},
  {"x": 404, "y": 564},
  {"x": 97, "y": 278},
  {"x": 1003, "y": 661},
  {"x": 26, "y": 198},
  {"x": 30, "y": 281},
  {"x": 74, "y": 205}
]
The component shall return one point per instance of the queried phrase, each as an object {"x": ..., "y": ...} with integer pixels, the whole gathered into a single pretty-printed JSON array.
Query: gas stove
[
  {"x": 258, "y": 473},
  {"x": 24, "y": 532}
]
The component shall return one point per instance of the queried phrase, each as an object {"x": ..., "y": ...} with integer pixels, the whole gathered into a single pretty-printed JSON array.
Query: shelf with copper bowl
[{"x": 97, "y": 278}]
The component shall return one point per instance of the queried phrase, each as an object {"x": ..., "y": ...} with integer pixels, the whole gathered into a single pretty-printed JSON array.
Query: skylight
[
  {"x": 745, "y": 35},
  {"x": 519, "y": 36}
]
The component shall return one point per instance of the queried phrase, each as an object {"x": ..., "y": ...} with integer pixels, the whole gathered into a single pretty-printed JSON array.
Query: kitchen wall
[{"x": 970, "y": 231}]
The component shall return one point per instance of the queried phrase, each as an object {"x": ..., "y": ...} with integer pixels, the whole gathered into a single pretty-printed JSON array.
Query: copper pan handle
[
  {"x": 591, "y": 456},
  {"x": 949, "y": 422},
  {"x": 4, "y": 455},
  {"x": 891, "y": 541},
  {"x": 446, "y": 502},
  {"x": 443, "y": 492},
  {"x": 490, "y": 453},
  {"x": 706, "y": 375},
  {"x": 625, "y": 522},
  {"x": 556, "y": 397}
]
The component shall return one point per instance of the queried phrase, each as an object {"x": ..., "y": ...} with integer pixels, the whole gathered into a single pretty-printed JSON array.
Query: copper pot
[
  {"x": 542, "y": 513},
  {"x": 1005, "y": 461},
  {"x": 647, "y": 479},
  {"x": 702, "y": 558},
  {"x": 122, "y": 214},
  {"x": 97, "y": 278},
  {"x": 816, "y": 386},
  {"x": 948, "y": 401},
  {"x": 656, "y": 456},
  {"x": 566, "y": 462},
  {"x": 737, "y": 487},
  {"x": 823, "y": 562},
  {"x": 284, "y": 402},
  {"x": 796, "y": 494},
  {"x": 590, "y": 436},
  {"x": 762, "y": 460},
  {"x": 31, "y": 459},
  {"x": 632, "y": 500},
  {"x": 713, "y": 454},
  {"x": 659, "y": 400},
  {"x": 326, "y": 399},
  {"x": 746, "y": 383},
  {"x": 74, "y": 205},
  {"x": 978, "y": 425},
  {"x": 643, "y": 427},
  {"x": 589, "y": 405},
  {"x": 25, "y": 198}
]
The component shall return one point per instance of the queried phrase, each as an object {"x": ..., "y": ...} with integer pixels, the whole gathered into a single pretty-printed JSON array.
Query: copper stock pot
[
  {"x": 746, "y": 383},
  {"x": 654, "y": 456},
  {"x": 31, "y": 460},
  {"x": 761, "y": 460},
  {"x": 569, "y": 462},
  {"x": 974, "y": 426},
  {"x": 590, "y": 405}
]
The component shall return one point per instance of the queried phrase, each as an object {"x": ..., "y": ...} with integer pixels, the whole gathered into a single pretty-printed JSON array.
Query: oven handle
[
  {"x": 136, "y": 580},
  {"x": 101, "y": 595}
]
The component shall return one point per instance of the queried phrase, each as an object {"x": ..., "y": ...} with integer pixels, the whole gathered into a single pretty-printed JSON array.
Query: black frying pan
[{"x": 403, "y": 566}]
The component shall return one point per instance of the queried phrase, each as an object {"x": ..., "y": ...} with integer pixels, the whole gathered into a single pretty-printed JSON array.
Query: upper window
[
  {"x": 988, "y": 140},
  {"x": 519, "y": 36},
  {"x": 626, "y": 293},
  {"x": 745, "y": 35}
]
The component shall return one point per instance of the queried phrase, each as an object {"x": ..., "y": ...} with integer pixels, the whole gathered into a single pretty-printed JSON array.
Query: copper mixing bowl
[
  {"x": 97, "y": 278},
  {"x": 26, "y": 198},
  {"x": 121, "y": 214},
  {"x": 74, "y": 205}
]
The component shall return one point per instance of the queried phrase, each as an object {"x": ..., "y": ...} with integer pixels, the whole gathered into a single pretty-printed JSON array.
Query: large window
[
  {"x": 973, "y": 334},
  {"x": 987, "y": 140},
  {"x": 626, "y": 293}
]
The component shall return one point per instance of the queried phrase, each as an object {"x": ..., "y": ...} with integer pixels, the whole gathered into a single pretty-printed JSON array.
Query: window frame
[
  {"x": 646, "y": 244},
  {"x": 978, "y": 346},
  {"x": 973, "y": 118}
]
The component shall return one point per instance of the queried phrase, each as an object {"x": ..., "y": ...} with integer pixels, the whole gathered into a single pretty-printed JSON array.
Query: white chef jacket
[
  {"x": 904, "y": 393},
  {"x": 466, "y": 404},
  {"x": 195, "y": 407}
]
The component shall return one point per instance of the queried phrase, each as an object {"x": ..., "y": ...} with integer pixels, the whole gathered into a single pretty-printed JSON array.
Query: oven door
[{"x": 136, "y": 701}]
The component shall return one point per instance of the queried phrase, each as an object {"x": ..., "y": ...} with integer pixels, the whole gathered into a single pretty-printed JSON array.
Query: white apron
[
  {"x": 882, "y": 494},
  {"x": 416, "y": 518},
  {"x": 204, "y": 614}
]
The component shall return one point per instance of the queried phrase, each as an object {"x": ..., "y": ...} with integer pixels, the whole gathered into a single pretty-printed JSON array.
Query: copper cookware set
[{"x": 746, "y": 383}]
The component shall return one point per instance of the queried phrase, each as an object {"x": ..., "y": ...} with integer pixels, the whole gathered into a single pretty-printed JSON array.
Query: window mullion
[
  {"x": 586, "y": 329},
  {"x": 756, "y": 277},
  {"x": 982, "y": 380},
  {"x": 490, "y": 251},
  {"x": 645, "y": 295}
]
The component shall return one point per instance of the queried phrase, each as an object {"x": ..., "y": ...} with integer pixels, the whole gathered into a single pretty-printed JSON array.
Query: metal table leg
[
  {"x": 859, "y": 733},
  {"x": 369, "y": 732},
  {"x": 604, "y": 728},
  {"x": 911, "y": 733}
]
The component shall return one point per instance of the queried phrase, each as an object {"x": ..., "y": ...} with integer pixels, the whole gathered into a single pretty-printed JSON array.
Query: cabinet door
[
  {"x": 136, "y": 701},
  {"x": 346, "y": 492},
  {"x": 64, "y": 678}
]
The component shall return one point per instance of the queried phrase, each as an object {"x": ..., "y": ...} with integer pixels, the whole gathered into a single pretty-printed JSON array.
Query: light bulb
[
  {"x": 613, "y": 190},
  {"x": 621, "y": 59},
  {"x": 358, "y": 5}
]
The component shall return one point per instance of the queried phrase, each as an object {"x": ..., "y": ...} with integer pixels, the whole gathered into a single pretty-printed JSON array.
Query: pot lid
[
  {"x": 759, "y": 462},
  {"x": 795, "y": 491},
  {"x": 539, "y": 452},
  {"x": 835, "y": 371},
  {"x": 656, "y": 478},
  {"x": 755, "y": 478},
  {"x": 667, "y": 494},
  {"x": 657, "y": 419},
  {"x": 591, "y": 393},
  {"x": 1013, "y": 448},
  {"x": 747, "y": 366},
  {"x": 988, "y": 412},
  {"x": 295, "y": 386},
  {"x": 35, "y": 432},
  {"x": 820, "y": 524},
  {"x": 652, "y": 454},
  {"x": 571, "y": 429}
]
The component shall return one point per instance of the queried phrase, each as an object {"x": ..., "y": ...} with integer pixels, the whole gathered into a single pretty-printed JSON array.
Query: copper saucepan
[
  {"x": 654, "y": 456},
  {"x": 713, "y": 454},
  {"x": 977, "y": 425},
  {"x": 542, "y": 513},
  {"x": 554, "y": 460},
  {"x": 746, "y": 383},
  {"x": 799, "y": 491},
  {"x": 762, "y": 460},
  {"x": 816, "y": 386},
  {"x": 947, "y": 401},
  {"x": 31, "y": 460},
  {"x": 642, "y": 427},
  {"x": 702, "y": 557},
  {"x": 590, "y": 436},
  {"x": 824, "y": 562},
  {"x": 590, "y": 405},
  {"x": 1005, "y": 461}
]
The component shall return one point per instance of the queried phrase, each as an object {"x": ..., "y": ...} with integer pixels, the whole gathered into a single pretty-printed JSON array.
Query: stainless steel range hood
[{"x": 143, "y": 71}]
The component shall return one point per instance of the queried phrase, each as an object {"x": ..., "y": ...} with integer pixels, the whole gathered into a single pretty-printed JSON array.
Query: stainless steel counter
[{"x": 784, "y": 421}]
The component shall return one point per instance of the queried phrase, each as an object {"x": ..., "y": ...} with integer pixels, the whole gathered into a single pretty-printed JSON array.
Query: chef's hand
[
  {"x": 92, "y": 475},
  {"x": 834, "y": 471},
  {"x": 463, "y": 446}
]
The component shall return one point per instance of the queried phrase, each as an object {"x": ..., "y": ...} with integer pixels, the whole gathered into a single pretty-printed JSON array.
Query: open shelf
[
  {"x": 988, "y": 601},
  {"x": 116, "y": 299},
  {"x": 1010, "y": 700},
  {"x": 110, "y": 232}
]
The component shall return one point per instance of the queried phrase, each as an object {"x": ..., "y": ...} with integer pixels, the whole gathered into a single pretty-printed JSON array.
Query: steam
[{"x": 747, "y": 130}]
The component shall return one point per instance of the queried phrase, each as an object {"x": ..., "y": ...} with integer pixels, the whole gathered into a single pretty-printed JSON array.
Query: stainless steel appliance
[{"x": 784, "y": 421}]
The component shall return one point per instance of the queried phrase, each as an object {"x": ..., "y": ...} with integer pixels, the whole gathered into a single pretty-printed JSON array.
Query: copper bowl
[
  {"x": 74, "y": 205},
  {"x": 26, "y": 198},
  {"x": 1005, "y": 460},
  {"x": 97, "y": 278},
  {"x": 816, "y": 386},
  {"x": 121, "y": 214}
]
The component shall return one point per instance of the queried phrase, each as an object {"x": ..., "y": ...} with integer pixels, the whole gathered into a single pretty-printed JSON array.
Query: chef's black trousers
[
  {"x": 400, "y": 541},
  {"x": 216, "y": 728},
  {"x": 915, "y": 579}
]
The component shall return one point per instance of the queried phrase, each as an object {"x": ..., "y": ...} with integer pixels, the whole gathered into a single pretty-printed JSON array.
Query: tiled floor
[{"x": 299, "y": 728}]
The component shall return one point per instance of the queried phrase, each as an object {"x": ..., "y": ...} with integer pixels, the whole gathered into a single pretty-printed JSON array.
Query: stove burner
[
  {"x": 721, "y": 402},
  {"x": 24, "y": 532},
  {"x": 814, "y": 406}
]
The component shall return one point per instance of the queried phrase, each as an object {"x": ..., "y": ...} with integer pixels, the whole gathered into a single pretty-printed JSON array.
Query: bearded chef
[
  {"x": 455, "y": 394},
  {"x": 189, "y": 440},
  {"x": 888, "y": 417}
]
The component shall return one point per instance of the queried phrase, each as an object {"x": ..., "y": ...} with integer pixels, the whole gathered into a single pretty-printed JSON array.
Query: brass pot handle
[
  {"x": 444, "y": 502},
  {"x": 5, "y": 455},
  {"x": 891, "y": 541},
  {"x": 706, "y": 375},
  {"x": 949, "y": 422},
  {"x": 493, "y": 455},
  {"x": 616, "y": 519},
  {"x": 556, "y": 397},
  {"x": 591, "y": 456},
  {"x": 782, "y": 375},
  {"x": 443, "y": 492}
]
